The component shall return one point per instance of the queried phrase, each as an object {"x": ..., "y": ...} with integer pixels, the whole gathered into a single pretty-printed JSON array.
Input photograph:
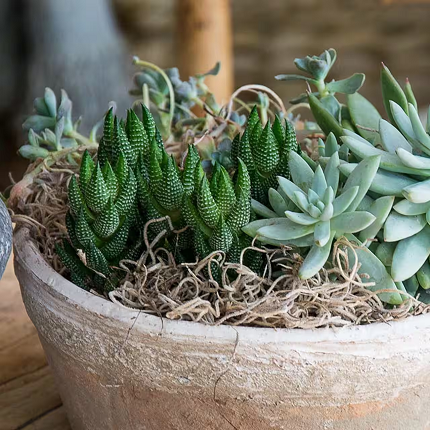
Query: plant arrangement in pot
[{"x": 250, "y": 230}]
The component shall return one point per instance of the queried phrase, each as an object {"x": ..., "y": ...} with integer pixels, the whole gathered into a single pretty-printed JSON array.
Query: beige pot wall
[{"x": 121, "y": 369}]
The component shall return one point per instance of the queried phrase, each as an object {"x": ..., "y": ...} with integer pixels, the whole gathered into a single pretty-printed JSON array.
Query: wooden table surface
[{"x": 28, "y": 397}]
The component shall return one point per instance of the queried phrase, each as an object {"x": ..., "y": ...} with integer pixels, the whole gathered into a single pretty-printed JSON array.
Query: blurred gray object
[
  {"x": 70, "y": 44},
  {"x": 5, "y": 237}
]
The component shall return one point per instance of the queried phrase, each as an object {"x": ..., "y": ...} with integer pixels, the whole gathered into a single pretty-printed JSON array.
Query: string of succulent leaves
[{"x": 399, "y": 191}]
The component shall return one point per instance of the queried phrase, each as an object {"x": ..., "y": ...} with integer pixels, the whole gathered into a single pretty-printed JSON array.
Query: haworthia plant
[
  {"x": 265, "y": 150},
  {"x": 133, "y": 180}
]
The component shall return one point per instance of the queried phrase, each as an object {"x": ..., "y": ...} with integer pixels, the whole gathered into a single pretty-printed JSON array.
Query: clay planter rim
[{"x": 26, "y": 251}]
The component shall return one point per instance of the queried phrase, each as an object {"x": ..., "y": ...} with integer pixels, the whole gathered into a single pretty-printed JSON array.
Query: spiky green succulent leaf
[
  {"x": 96, "y": 194},
  {"x": 127, "y": 194},
  {"x": 191, "y": 161},
  {"x": 111, "y": 180},
  {"x": 136, "y": 134},
  {"x": 222, "y": 237},
  {"x": 86, "y": 170},
  {"x": 169, "y": 192},
  {"x": 116, "y": 244},
  {"x": 206, "y": 204},
  {"x": 107, "y": 221},
  {"x": 121, "y": 145},
  {"x": 265, "y": 150},
  {"x": 225, "y": 197}
]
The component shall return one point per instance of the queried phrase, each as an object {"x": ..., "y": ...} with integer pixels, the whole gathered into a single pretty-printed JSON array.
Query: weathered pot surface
[{"x": 122, "y": 369}]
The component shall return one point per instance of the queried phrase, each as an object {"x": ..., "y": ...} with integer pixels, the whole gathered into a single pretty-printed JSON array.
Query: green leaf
[
  {"x": 332, "y": 105},
  {"x": 206, "y": 204},
  {"x": 32, "y": 153},
  {"x": 300, "y": 218},
  {"x": 40, "y": 106},
  {"x": 148, "y": 123},
  {"x": 262, "y": 210},
  {"x": 405, "y": 126},
  {"x": 388, "y": 161},
  {"x": 225, "y": 198},
  {"x": 252, "y": 228},
  {"x": 279, "y": 132},
  {"x": 362, "y": 176},
  {"x": 423, "y": 275},
  {"x": 289, "y": 188},
  {"x": 315, "y": 259},
  {"x": 411, "y": 285},
  {"x": 277, "y": 202},
  {"x": 385, "y": 252},
  {"x": 292, "y": 77},
  {"x": 324, "y": 118},
  {"x": 108, "y": 134},
  {"x": 121, "y": 144},
  {"x": 410, "y": 96},
  {"x": 331, "y": 145},
  {"x": 413, "y": 161},
  {"x": 419, "y": 192},
  {"x": 347, "y": 86},
  {"x": 222, "y": 237},
  {"x": 410, "y": 255},
  {"x": 365, "y": 114},
  {"x": 331, "y": 172},
  {"x": 136, "y": 134},
  {"x": 398, "y": 227},
  {"x": 418, "y": 128},
  {"x": 405, "y": 207},
  {"x": 377, "y": 273},
  {"x": 127, "y": 194},
  {"x": 392, "y": 91},
  {"x": 301, "y": 173},
  {"x": 285, "y": 231},
  {"x": 169, "y": 191},
  {"x": 96, "y": 260},
  {"x": 38, "y": 123},
  {"x": 51, "y": 102},
  {"x": 351, "y": 222},
  {"x": 384, "y": 183},
  {"x": 245, "y": 153},
  {"x": 96, "y": 193},
  {"x": 86, "y": 170},
  {"x": 111, "y": 180},
  {"x": 266, "y": 153},
  {"x": 240, "y": 213},
  {"x": 322, "y": 233},
  {"x": 107, "y": 222},
  {"x": 319, "y": 184},
  {"x": 380, "y": 208},
  {"x": 342, "y": 203},
  {"x": 391, "y": 138}
]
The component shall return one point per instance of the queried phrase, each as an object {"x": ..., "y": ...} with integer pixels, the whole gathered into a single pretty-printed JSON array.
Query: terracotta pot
[{"x": 120, "y": 369}]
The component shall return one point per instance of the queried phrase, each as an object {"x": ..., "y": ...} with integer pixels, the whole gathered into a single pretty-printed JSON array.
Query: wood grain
[{"x": 28, "y": 397}]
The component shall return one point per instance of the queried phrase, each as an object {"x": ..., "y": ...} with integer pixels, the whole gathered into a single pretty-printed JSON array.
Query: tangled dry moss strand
[{"x": 156, "y": 284}]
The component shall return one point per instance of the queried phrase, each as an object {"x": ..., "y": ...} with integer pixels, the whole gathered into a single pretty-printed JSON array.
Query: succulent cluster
[
  {"x": 103, "y": 207},
  {"x": 398, "y": 192},
  {"x": 369, "y": 182},
  {"x": 265, "y": 151},
  {"x": 134, "y": 180},
  {"x": 50, "y": 128}
]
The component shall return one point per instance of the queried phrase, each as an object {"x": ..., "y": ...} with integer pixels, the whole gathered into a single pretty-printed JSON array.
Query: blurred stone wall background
[{"x": 269, "y": 35}]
